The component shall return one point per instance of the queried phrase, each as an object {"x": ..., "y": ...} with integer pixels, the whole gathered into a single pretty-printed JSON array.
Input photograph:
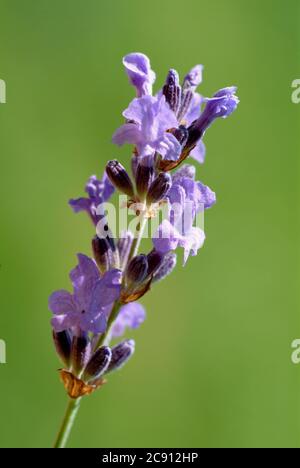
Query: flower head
[
  {"x": 98, "y": 191},
  {"x": 221, "y": 105},
  {"x": 148, "y": 119},
  {"x": 88, "y": 308}
]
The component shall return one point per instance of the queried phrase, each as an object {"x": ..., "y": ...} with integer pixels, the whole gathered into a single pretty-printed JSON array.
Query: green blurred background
[{"x": 212, "y": 366}]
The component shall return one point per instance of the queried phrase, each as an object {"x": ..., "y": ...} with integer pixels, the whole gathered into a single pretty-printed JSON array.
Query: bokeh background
[{"x": 212, "y": 366}]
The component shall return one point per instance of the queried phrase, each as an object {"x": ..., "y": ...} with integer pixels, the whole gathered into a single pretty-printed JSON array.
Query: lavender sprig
[{"x": 164, "y": 129}]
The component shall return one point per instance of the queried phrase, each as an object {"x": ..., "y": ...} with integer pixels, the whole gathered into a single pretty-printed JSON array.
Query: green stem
[
  {"x": 137, "y": 240},
  {"x": 67, "y": 423}
]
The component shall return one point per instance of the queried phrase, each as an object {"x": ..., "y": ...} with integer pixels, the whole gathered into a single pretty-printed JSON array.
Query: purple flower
[
  {"x": 149, "y": 119},
  {"x": 139, "y": 71},
  {"x": 88, "y": 307},
  {"x": 131, "y": 315},
  {"x": 186, "y": 197},
  {"x": 99, "y": 191},
  {"x": 221, "y": 105},
  {"x": 184, "y": 185}
]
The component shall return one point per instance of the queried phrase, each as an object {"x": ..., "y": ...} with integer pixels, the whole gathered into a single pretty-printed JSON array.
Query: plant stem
[
  {"x": 137, "y": 240},
  {"x": 67, "y": 423}
]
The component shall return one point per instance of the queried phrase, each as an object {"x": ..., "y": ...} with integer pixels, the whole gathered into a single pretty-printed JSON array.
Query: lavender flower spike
[
  {"x": 139, "y": 71},
  {"x": 164, "y": 129}
]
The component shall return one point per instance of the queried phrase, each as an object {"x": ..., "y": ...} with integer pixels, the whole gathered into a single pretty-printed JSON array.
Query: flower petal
[
  {"x": 84, "y": 277},
  {"x": 95, "y": 321},
  {"x": 131, "y": 315},
  {"x": 198, "y": 153},
  {"x": 106, "y": 290},
  {"x": 166, "y": 237},
  {"x": 139, "y": 71},
  {"x": 64, "y": 322},
  {"x": 127, "y": 133},
  {"x": 80, "y": 204},
  {"x": 207, "y": 197},
  {"x": 61, "y": 302},
  {"x": 192, "y": 242},
  {"x": 194, "y": 109},
  {"x": 169, "y": 147}
]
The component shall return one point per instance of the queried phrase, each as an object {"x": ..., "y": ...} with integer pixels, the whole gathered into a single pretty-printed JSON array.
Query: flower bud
[
  {"x": 81, "y": 350},
  {"x": 155, "y": 260},
  {"x": 98, "y": 363},
  {"x": 62, "y": 341},
  {"x": 137, "y": 269},
  {"x": 120, "y": 355},
  {"x": 167, "y": 266},
  {"x": 119, "y": 177},
  {"x": 193, "y": 78},
  {"x": 100, "y": 250},
  {"x": 181, "y": 133},
  {"x": 105, "y": 253},
  {"x": 143, "y": 178},
  {"x": 221, "y": 105},
  {"x": 159, "y": 188},
  {"x": 172, "y": 90}
]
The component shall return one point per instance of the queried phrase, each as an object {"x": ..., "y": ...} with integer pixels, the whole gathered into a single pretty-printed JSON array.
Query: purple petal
[
  {"x": 80, "y": 204},
  {"x": 108, "y": 188},
  {"x": 194, "y": 109},
  {"x": 139, "y": 71},
  {"x": 131, "y": 315},
  {"x": 166, "y": 237},
  {"x": 84, "y": 277},
  {"x": 64, "y": 321},
  {"x": 169, "y": 147},
  {"x": 99, "y": 190},
  {"x": 106, "y": 290},
  {"x": 192, "y": 242},
  {"x": 198, "y": 153},
  {"x": 136, "y": 109},
  {"x": 176, "y": 195},
  {"x": 127, "y": 133},
  {"x": 61, "y": 302},
  {"x": 95, "y": 321},
  {"x": 222, "y": 104},
  {"x": 194, "y": 77},
  {"x": 187, "y": 170},
  {"x": 208, "y": 197}
]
